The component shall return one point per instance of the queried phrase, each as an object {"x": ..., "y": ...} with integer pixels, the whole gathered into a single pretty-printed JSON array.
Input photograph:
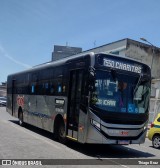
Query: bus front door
[{"x": 76, "y": 80}]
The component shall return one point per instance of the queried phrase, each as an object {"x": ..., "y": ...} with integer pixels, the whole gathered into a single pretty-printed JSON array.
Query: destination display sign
[{"x": 121, "y": 65}]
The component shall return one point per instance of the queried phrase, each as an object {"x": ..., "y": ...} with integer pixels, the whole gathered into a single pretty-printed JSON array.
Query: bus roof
[{"x": 64, "y": 60}]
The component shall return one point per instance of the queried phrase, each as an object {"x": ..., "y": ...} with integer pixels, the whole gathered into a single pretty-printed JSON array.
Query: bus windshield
[{"x": 120, "y": 92}]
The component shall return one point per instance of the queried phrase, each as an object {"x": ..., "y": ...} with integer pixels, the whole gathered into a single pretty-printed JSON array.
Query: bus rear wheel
[{"x": 60, "y": 133}]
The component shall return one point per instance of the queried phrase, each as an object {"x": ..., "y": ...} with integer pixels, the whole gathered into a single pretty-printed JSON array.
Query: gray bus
[{"x": 92, "y": 98}]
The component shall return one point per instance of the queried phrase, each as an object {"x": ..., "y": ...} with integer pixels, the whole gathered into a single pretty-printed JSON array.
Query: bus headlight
[{"x": 95, "y": 124}]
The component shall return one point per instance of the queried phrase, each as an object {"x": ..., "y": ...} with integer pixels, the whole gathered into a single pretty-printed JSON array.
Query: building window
[{"x": 115, "y": 52}]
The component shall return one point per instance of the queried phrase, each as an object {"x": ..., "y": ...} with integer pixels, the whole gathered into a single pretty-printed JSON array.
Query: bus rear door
[{"x": 13, "y": 101}]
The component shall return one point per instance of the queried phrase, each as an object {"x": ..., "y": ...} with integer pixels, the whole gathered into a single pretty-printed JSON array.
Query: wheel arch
[
  {"x": 57, "y": 121},
  {"x": 156, "y": 134}
]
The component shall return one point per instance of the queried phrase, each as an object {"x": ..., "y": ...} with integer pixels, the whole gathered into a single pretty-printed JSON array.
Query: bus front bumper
[{"x": 96, "y": 136}]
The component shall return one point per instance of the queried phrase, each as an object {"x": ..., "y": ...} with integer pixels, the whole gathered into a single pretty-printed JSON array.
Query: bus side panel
[
  {"x": 32, "y": 112},
  {"x": 48, "y": 108},
  {"x": 82, "y": 131},
  {"x": 15, "y": 106}
]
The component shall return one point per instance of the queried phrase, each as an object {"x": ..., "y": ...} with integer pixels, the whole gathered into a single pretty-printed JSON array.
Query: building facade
[
  {"x": 3, "y": 90},
  {"x": 60, "y": 52}
]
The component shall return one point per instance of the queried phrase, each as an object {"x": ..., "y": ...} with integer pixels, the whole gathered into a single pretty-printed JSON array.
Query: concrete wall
[
  {"x": 155, "y": 99},
  {"x": 144, "y": 53}
]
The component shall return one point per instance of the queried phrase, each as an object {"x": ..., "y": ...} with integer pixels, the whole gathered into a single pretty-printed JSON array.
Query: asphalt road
[{"x": 32, "y": 143}]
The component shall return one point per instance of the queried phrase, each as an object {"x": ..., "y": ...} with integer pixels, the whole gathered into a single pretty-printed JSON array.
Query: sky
[{"x": 29, "y": 29}]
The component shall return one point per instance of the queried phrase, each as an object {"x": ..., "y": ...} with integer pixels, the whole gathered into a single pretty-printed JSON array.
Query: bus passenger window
[
  {"x": 33, "y": 89},
  {"x": 64, "y": 89},
  {"x": 51, "y": 88},
  {"x": 47, "y": 90},
  {"x": 59, "y": 88},
  {"x": 46, "y": 85}
]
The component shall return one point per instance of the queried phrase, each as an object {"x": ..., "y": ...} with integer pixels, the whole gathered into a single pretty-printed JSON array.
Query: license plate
[{"x": 123, "y": 142}]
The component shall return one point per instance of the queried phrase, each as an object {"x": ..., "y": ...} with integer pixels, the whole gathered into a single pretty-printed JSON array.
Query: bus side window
[
  {"x": 34, "y": 83},
  {"x": 59, "y": 88},
  {"x": 32, "y": 89},
  {"x": 46, "y": 88},
  {"x": 52, "y": 89},
  {"x": 59, "y": 85}
]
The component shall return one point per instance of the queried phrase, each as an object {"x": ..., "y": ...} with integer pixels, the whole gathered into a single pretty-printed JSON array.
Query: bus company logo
[
  {"x": 20, "y": 101},
  {"x": 124, "y": 133}
]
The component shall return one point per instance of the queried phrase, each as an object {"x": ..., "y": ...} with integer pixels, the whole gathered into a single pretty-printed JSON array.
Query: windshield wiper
[{"x": 137, "y": 85}]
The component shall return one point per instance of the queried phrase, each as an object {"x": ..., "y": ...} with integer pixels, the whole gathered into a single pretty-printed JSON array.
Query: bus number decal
[
  {"x": 59, "y": 101},
  {"x": 124, "y": 133},
  {"x": 59, "y": 110}
]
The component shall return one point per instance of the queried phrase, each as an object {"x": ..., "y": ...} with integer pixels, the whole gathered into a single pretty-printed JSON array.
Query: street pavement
[{"x": 29, "y": 142}]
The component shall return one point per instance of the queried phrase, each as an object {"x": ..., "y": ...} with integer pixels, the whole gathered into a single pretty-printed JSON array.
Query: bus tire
[
  {"x": 59, "y": 133},
  {"x": 20, "y": 117}
]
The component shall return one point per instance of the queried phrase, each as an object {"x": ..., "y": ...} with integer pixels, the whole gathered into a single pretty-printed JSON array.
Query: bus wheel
[
  {"x": 61, "y": 133},
  {"x": 21, "y": 123}
]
